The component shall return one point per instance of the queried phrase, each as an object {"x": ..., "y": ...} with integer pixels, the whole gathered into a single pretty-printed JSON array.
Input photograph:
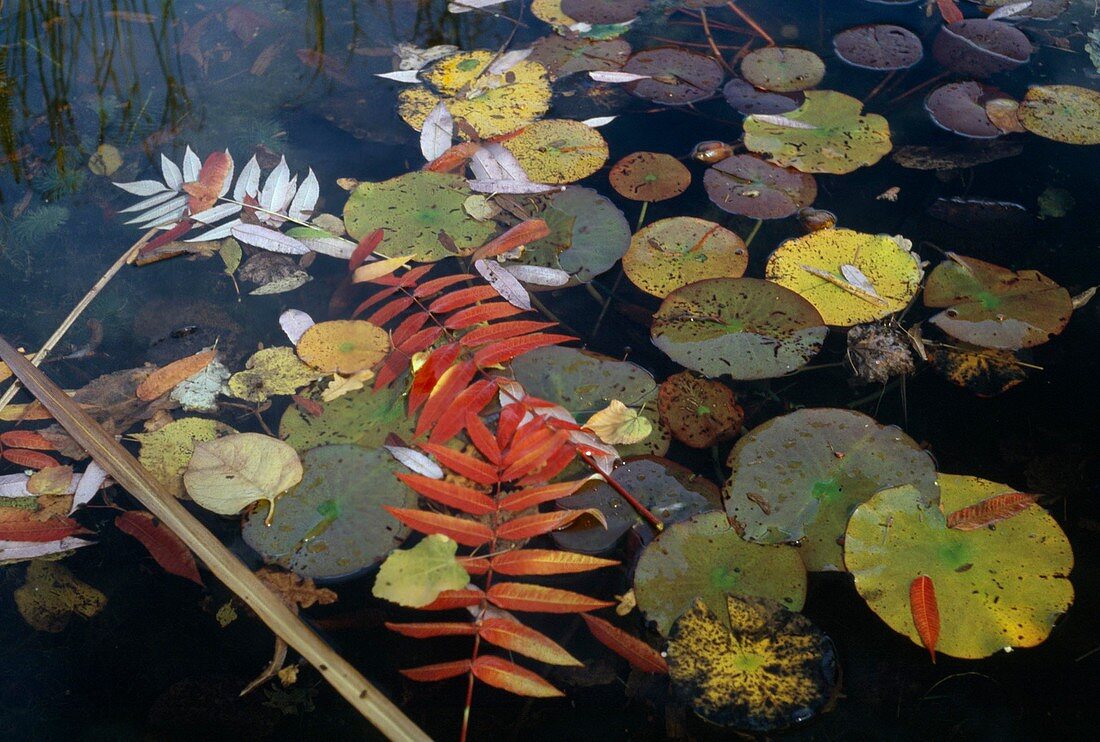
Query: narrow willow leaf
[
  {"x": 640, "y": 655},
  {"x": 926, "y": 615}
]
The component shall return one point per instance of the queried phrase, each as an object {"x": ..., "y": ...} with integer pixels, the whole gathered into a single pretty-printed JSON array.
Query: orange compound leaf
[
  {"x": 990, "y": 511},
  {"x": 165, "y": 379},
  {"x": 363, "y": 250},
  {"x": 508, "y": 423},
  {"x": 553, "y": 466},
  {"x": 29, "y": 459},
  {"x": 521, "y": 234},
  {"x": 442, "y": 671},
  {"x": 406, "y": 279},
  {"x": 27, "y": 439},
  {"x": 526, "y": 562},
  {"x": 394, "y": 365},
  {"x": 453, "y": 381},
  {"x": 515, "y": 637},
  {"x": 461, "y": 298},
  {"x": 421, "y": 340},
  {"x": 531, "y": 497},
  {"x": 474, "y": 565},
  {"x": 389, "y": 310},
  {"x": 408, "y": 327},
  {"x": 529, "y": 526},
  {"x": 205, "y": 191},
  {"x": 480, "y": 471},
  {"x": 487, "y": 312},
  {"x": 372, "y": 300},
  {"x": 454, "y": 158},
  {"x": 19, "y": 524},
  {"x": 427, "y": 376},
  {"x": 640, "y": 655},
  {"x": 534, "y": 457},
  {"x": 502, "y": 331},
  {"x": 452, "y": 495},
  {"x": 482, "y": 438},
  {"x": 926, "y": 615},
  {"x": 519, "y": 596},
  {"x": 500, "y": 673},
  {"x": 470, "y": 401},
  {"x": 949, "y": 10},
  {"x": 434, "y": 286},
  {"x": 449, "y": 600},
  {"x": 432, "y": 630},
  {"x": 165, "y": 547},
  {"x": 465, "y": 532},
  {"x": 506, "y": 350}
]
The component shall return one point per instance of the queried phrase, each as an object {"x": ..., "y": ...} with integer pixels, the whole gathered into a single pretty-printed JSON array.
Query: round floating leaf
[
  {"x": 879, "y": 46},
  {"x": 798, "y": 477},
  {"x": 415, "y": 577},
  {"x": 994, "y": 307},
  {"x": 588, "y": 234},
  {"x": 978, "y": 47},
  {"x": 677, "y": 77},
  {"x": 752, "y": 187},
  {"x": 983, "y": 371},
  {"x": 649, "y": 176},
  {"x": 414, "y": 209},
  {"x": 562, "y": 56},
  {"x": 819, "y": 266},
  {"x": 700, "y": 412},
  {"x": 226, "y": 475},
  {"x": 675, "y": 252},
  {"x": 363, "y": 417},
  {"x": 746, "y": 99},
  {"x": 166, "y": 451},
  {"x": 332, "y": 524},
  {"x": 343, "y": 346},
  {"x": 270, "y": 372},
  {"x": 826, "y": 134},
  {"x": 603, "y": 12},
  {"x": 744, "y": 327},
  {"x": 704, "y": 558},
  {"x": 960, "y": 107},
  {"x": 1064, "y": 113},
  {"x": 558, "y": 151},
  {"x": 491, "y": 103},
  {"x": 996, "y": 587},
  {"x": 782, "y": 69},
  {"x": 51, "y": 596},
  {"x": 766, "y": 669}
]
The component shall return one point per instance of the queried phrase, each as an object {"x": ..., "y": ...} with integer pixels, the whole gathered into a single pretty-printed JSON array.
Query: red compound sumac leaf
[
  {"x": 500, "y": 673},
  {"x": 487, "y": 312},
  {"x": 926, "y": 615},
  {"x": 441, "y": 671},
  {"x": 521, "y": 234},
  {"x": 363, "y": 250},
  {"x": 432, "y": 630},
  {"x": 532, "y": 457},
  {"x": 29, "y": 459},
  {"x": 18, "y": 524},
  {"x": 506, "y": 350},
  {"x": 529, "y": 562},
  {"x": 452, "y": 495},
  {"x": 640, "y": 655},
  {"x": 26, "y": 439},
  {"x": 164, "y": 546},
  {"x": 519, "y": 596},
  {"x": 516, "y": 637},
  {"x": 465, "y": 532},
  {"x": 480, "y": 471},
  {"x": 989, "y": 511}
]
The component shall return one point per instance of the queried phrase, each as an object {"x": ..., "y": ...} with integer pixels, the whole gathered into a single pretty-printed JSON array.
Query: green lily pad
[
  {"x": 782, "y": 69},
  {"x": 332, "y": 523},
  {"x": 705, "y": 558},
  {"x": 677, "y": 77},
  {"x": 798, "y": 477},
  {"x": 364, "y": 418},
  {"x": 996, "y": 587},
  {"x": 828, "y": 135},
  {"x": 649, "y": 176},
  {"x": 671, "y": 253},
  {"x": 995, "y": 307},
  {"x": 588, "y": 234},
  {"x": 1064, "y": 113},
  {"x": 413, "y": 209},
  {"x": 744, "y": 327},
  {"x": 752, "y": 187},
  {"x": 558, "y": 151}
]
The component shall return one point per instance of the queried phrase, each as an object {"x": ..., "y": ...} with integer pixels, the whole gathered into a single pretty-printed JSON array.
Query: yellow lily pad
[
  {"x": 1064, "y": 113},
  {"x": 270, "y": 372},
  {"x": 344, "y": 346},
  {"x": 559, "y": 151},
  {"x": 671, "y": 253}
]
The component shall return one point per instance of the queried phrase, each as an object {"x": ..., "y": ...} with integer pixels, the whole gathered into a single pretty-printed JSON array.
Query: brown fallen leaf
[{"x": 165, "y": 379}]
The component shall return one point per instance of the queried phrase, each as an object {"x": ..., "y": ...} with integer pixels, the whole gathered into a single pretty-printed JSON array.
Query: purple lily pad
[
  {"x": 978, "y": 47},
  {"x": 879, "y": 46},
  {"x": 677, "y": 77},
  {"x": 755, "y": 188}
]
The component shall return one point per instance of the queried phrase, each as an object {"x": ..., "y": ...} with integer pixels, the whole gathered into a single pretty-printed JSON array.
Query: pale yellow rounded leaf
[
  {"x": 230, "y": 473},
  {"x": 618, "y": 424}
]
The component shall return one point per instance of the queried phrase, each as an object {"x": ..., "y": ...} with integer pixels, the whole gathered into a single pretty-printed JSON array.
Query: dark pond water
[{"x": 150, "y": 78}]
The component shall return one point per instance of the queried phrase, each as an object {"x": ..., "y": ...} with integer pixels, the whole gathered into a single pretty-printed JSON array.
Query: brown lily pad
[
  {"x": 978, "y": 47},
  {"x": 649, "y": 176},
  {"x": 879, "y": 46},
  {"x": 700, "y": 412},
  {"x": 677, "y": 77},
  {"x": 753, "y": 187}
]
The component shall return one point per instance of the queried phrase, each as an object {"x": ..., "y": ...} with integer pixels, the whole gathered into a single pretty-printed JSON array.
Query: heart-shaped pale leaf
[
  {"x": 228, "y": 474},
  {"x": 415, "y": 577},
  {"x": 617, "y": 424}
]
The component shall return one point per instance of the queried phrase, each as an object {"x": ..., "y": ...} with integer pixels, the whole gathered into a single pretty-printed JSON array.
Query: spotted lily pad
[
  {"x": 166, "y": 451},
  {"x": 782, "y": 69},
  {"x": 704, "y": 558},
  {"x": 671, "y": 253},
  {"x": 603, "y": 12},
  {"x": 996, "y": 587},
  {"x": 995, "y": 307},
  {"x": 744, "y": 327},
  {"x": 879, "y": 46},
  {"x": 850, "y": 277},
  {"x": 649, "y": 176},
  {"x": 270, "y": 372},
  {"x": 826, "y": 134},
  {"x": 1064, "y": 113},
  {"x": 746, "y": 99},
  {"x": 677, "y": 77},
  {"x": 413, "y": 209},
  {"x": 766, "y": 669},
  {"x": 700, "y": 412},
  {"x": 979, "y": 47},
  {"x": 558, "y": 151},
  {"x": 332, "y": 524},
  {"x": 752, "y": 187},
  {"x": 362, "y": 417},
  {"x": 343, "y": 346},
  {"x": 984, "y": 371},
  {"x": 588, "y": 234},
  {"x": 562, "y": 56},
  {"x": 959, "y": 107},
  {"x": 798, "y": 477}
]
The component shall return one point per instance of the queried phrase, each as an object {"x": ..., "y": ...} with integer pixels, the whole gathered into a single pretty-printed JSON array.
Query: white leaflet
[
  {"x": 854, "y": 276},
  {"x": 783, "y": 121},
  {"x": 1007, "y": 11},
  {"x": 301, "y": 206},
  {"x": 173, "y": 178},
  {"x": 268, "y": 239},
  {"x": 504, "y": 283},
  {"x": 275, "y": 187},
  {"x": 334, "y": 247},
  {"x": 294, "y": 323},
  {"x": 510, "y": 186},
  {"x": 610, "y": 76},
  {"x": 143, "y": 187},
  {"x": 538, "y": 275},
  {"x": 89, "y": 483},
  {"x": 416, "y": 461},
  {"x": 248, "y": 183},
  {"x": 191, "y": 165},
  {"x": 465, "y": 6},
  {"x": 14, "y": 485},
  {"x": 216, "y": 213},
  {"x": 405, "y": 76},
  {"x": 415, "y": 58},
  {"x": 157, "y": 213},
  {"x": 508, "y": 60},
  {"x": 228, "y": 176},
  {"x": 167, "y": 221},
  {"x": 599, "y": 121},
  {"x": 496, "y": 162},
  {"x": 216, "y": 233},
  {"x": 437, "y": 132},
  {"x": 148, "y": 203},
  {"x": 34, "y": 549}
]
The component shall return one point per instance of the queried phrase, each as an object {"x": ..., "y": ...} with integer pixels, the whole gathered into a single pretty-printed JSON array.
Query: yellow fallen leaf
[
  {"x": 379, "y": 268},
  {"x": 341, "y": 385},
  {"x": 618, "y": 424},
  {"x": 228, "y": 474}
]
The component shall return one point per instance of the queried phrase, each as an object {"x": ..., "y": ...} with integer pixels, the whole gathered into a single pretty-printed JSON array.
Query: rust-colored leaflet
[
  {"x": 501, "y": 673},
  {"x": 434, "y": 286},
  {"x": 164, "y": 546},
  {"x": 454, "y": 380},
  {"x": 449, "y": 600},
  {"x": 440, "y": 671},
  {"x": 18, "y": 524},
  {"x": 519, "y": 596},
  {"x": 521, "y": 234},
  {"x": 450, "y": 494},
  {"x": 475, "y": 315},
  {"x": 29, "y": 459},
  {"x": 205, "y": 191},
  {"x": 461, "y": 298},
  {"x": 427, "y": 376},
  {"x": 527, "y": 562},
  {"x": 389, "y": 310},
  {"x": 470, "y": 401},
  {"x": 516, "y": 637},
  {"x": 989, "y": 511},
  {"x": 502, "y": 331},
  {"x": 165, "y": 379},
  {"x": 530, "y": 497},
  {"x": 432, "y": 630},
  {"x": 26, "y": 439},
  {"x": 465, "y": 532},
  {"x": 482, "y": 438},
  {"x": 363, "y": 250},
  {"x": 640, "y": 655},
  {"x": 529, "y": 526},
  {"x": 949, "y": 10},
  {"x": 926, "y": 615},
  {"x": 506, "y": 350},
  {"x": 480, "y": 471}
]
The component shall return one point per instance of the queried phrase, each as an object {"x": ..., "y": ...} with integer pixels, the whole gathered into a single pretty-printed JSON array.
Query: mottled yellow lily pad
[
  {"x": 674, "y": 252},
  {"x": 558, "y": 151},
  {"x": 343, "y": 346},
  {"x": 51, "y": 596},
  {"x": 270, "y": 372},
  {"x": 1064, "y": 113},
  {"x": 165, "y": 452}
]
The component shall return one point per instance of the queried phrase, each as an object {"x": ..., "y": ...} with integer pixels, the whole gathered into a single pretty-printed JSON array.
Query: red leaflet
[
  {"x": 635, "y": 651},
  {"x": 519, "y": 596},
  {"x": 521, "y": 234},
  {"x": 394, "y": 365},
  {"x": 487, "y": 312},
  {"x": 311, "y": 407},
  {"x": 408, "y": 327},
  {"x": 452, "y": 495},
  {"x": 18, "y": 524},
  {"x": 454, "y": 158},
  {"x": 436, "y": 285},
  {"x": 524, "y": 640},
  {"x": 164, "y": 546},
  {"x": 442, "y": 671},
  {"x": 372, "y": 300},
  {"x": 389, "y": 310},
  {"x": 502, "y": 331},
  {"x": 461, "y": 298},
  {"x": 364, "y": 249},
  {"x": 406, "y": 279},
  {"x": 421, "y": 340},
  {"x": 449, "y": 600},
  {"x": 26, "y": 439},
  {"x": 529, "y": 526},
  {"x": 949, "y": 10},
  {"x": 534, "y": 457},
  {"x": 482, "y": 438},
  {"x": 164, "y": 238},
  {"x": 535, "y": 496},
  {"x": 506, "y": 350},
  {"x": 532, "y": 433},
  {"x": 553, "y": 466},
  {"x": 465, "y": 532},
  {"x": 501, "y": 673},
  {"x": 453, "y": 380},
  {"x": 474, "y": 565},
  {"x": 204, "y": 192},
  {"x": 427, "y": 375},
  {"x": 432, "y": 630},
  {"x": 480, "y": 471},
  {"x": 508, "y": 422},
  {"x": 989, "y": 511},
  {"x": 546, "y": 562},
  {"x": 926, "y": 616},
  {"x": 29, "y": 459},
  {"x": 470, "y": 401}
]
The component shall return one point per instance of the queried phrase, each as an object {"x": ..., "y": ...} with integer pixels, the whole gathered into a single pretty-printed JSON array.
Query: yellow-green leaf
[
  {"x": 618, "y": 424},
  {"x": 415, "y": 577},
  {"x": 51, "y": 596},
  {"x": 229, "y": 474}
]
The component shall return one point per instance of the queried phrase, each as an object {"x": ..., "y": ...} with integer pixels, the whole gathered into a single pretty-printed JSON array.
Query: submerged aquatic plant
[{"x": 39, "y": 223}]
